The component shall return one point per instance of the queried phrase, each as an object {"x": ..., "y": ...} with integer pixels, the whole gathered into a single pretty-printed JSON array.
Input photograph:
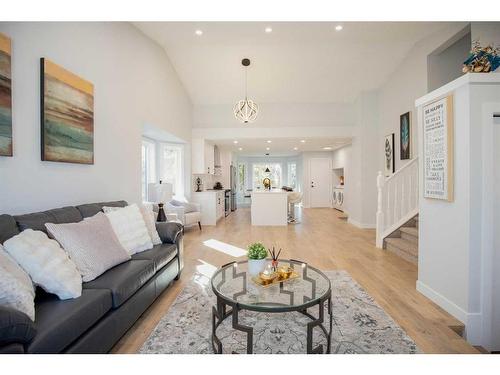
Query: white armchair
[{"x": 185, "y": 215}]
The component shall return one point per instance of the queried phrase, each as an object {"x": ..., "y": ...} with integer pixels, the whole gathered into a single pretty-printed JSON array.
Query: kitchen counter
[{"x": 269, "y": 207}]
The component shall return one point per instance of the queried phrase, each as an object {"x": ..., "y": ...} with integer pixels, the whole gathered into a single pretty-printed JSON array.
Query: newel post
[{"x": 380, "y": 213}]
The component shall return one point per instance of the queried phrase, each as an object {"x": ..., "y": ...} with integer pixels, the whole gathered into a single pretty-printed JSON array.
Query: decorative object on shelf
[
  {"x": 267, "y": 183},
  {"x": 342, "y": 180},
  {"x": 218, "y": 186},
  {"x": 199, "y": 185},
  {"x": 257, "y": 254},
  {"x": 160, "y": 193},
  {"x": 438, "y": 142},
  {"x": 246, "y": 110},
  {"x": 389, "y": 155},
  {"x": 5, "y": 97},
  {"x": 274, "y": 258},
  {"x": 482, "y": 59},
  {"x": 67, "y": 115},
  {"x": 405, "y": 136}
]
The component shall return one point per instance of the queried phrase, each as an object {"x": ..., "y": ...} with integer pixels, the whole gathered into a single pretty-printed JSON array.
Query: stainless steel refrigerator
[{"x": 233, "y": 183}]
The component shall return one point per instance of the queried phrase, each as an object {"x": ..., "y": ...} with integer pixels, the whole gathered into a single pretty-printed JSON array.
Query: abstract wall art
[
  {"x": 404, "y": 136},
  {"x": 5, "y": 97},
  {"x": 67, "y": 115},
  {"x": 389, "y": 155}
]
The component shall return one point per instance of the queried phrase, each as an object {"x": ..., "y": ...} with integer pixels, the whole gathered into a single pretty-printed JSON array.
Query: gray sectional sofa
[{"x": 108, "y": 306}]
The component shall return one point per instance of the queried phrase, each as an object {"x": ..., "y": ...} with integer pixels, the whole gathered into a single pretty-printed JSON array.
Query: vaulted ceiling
[{"x": 298, "y": 62}]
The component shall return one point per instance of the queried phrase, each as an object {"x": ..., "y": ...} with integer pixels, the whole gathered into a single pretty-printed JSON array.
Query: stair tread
[
  {"x": 410, "y": 230},
  {"x": 402, "y": 244}
]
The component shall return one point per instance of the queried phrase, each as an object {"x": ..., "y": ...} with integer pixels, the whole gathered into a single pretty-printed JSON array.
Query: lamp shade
[{"x": 160, "y": 193}]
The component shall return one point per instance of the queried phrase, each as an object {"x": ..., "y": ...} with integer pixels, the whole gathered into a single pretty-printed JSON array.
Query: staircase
[
  {"x": 404, "y": 241},
  {"x": 397, "y": 212}
]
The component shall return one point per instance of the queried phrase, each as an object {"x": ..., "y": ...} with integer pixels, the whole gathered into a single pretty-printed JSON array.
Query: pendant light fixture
[{"x": 246, "y": 110}]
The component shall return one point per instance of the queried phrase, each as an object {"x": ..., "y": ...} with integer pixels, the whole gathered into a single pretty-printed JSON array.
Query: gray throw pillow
[{"x": 91, "y": 244}]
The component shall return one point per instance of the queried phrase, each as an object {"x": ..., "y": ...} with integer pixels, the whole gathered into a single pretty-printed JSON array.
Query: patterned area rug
[{"x": 359, "y": 325}]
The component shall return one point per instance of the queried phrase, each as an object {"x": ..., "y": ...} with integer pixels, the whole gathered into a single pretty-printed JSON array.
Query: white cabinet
[
  {"x": 202, "y": 157},
  {"x": 212, "y": 205}
]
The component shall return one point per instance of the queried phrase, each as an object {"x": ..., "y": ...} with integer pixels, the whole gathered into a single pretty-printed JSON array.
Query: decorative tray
[{"x": 263, "y": 283}]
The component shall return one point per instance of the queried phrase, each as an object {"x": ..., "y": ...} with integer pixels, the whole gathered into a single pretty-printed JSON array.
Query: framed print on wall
[
  {"x": 5, "y": 97},
  {"x": 389, "y": 166},
  {"x": 67, "y": 115},
  {"x": 405, "y": 136},
  {"x": 438, "y": 142}
]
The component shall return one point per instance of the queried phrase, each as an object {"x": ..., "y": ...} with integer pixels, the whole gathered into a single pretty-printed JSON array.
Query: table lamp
[{"x": 160, "y": 193}]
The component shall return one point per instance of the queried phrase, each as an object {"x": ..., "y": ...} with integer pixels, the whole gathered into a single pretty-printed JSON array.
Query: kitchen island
[{"x": 269, "y": 207}]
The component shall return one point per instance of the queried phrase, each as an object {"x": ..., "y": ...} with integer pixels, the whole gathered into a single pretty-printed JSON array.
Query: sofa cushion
[
  {"x": 123, "y": 280},
  {"x": 37, "y": 220},
  {"x": 91, "y": 209},
  {"x": 15, "y": 327},
  {"x": 8, "y": 228},
  {"x": 169, "y": 231},
  {"x": 59, "y": 323},
  {"x": 160, "y": 255}
]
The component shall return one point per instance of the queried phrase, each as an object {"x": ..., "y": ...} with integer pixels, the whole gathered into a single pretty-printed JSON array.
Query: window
[
  {"x": 292, "y": 175},
  {"x": 171, "y": 167},
  {"x": 259, "y": 173},
  {"x": 148, "y": 166},
  {"x": 242, "y": 177}
]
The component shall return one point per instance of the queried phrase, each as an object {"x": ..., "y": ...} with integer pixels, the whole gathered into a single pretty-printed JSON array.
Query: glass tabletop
[{"x": 234, "y": 285}]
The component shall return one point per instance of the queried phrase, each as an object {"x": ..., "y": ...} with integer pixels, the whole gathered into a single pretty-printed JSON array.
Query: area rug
[{"x": 360, "y": 325}]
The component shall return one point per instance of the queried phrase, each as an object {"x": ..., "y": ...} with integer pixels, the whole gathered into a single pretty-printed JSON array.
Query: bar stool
[{"x": 294, "y": 197}]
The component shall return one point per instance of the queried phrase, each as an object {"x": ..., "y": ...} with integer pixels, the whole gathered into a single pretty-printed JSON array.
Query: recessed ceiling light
[
  {"x": 295, "y": 148},
  {"x": 302, "y": 141},
  {"x": 241, "y": 148},
  {"x": 198, "y": 32},
  {"x": 267, "y": 148},
  {"x": 235, "y": 142},
  {"x": 327, "y": 148},
  {"x": 339, "y": 27},
  {"x": 269, "y": 141},
  {"x": 268, "y": 29}
]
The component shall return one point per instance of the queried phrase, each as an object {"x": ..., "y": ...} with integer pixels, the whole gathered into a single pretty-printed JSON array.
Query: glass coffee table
[{"x": 234, "y": 287}]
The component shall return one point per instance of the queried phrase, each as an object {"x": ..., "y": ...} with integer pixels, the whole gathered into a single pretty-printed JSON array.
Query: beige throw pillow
[
  {"x": 91, "y": 244},
  {"x": 16, "y": 289}
]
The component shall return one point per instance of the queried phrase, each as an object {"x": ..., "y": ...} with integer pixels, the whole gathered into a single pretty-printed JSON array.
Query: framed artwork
[
  {"x": 438, "y": 142},
  {"x": 405, "y": 136},
  {"x": 5, "y": 97},
  {"x": 67, "y": 115},
  {"x": 389, "y": 155}
]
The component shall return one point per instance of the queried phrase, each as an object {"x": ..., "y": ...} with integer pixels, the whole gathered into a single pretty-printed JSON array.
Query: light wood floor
[{"x": 328, "y": 242}]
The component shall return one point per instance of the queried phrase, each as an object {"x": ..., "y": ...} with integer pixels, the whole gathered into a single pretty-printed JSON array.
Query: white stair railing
[{"x": 397, "y": 200}]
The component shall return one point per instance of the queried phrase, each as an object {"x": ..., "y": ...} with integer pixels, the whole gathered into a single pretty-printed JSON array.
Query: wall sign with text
[{"x": 438, "y": 149}]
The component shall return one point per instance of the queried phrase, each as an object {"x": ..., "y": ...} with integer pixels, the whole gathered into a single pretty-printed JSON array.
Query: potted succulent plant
[{"x": 256, "y": 258}]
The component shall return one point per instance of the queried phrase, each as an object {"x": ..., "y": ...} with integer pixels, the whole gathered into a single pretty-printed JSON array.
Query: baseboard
[
  {"x": 360, "y": 225},
  {"x": 472, "y": 321}
]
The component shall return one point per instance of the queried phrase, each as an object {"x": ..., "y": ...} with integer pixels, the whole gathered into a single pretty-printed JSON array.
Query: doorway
[{"x": 319, "y": 182}]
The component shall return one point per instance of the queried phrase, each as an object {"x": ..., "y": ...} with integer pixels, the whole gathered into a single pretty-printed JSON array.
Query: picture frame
[
  {"x": 389, "y": 158},
  {"x": 6, "y": 141},
  {"x": 66, "y": 115},
  {"x": 438, "y": 149},
  {"x": 405, "y": 136}
]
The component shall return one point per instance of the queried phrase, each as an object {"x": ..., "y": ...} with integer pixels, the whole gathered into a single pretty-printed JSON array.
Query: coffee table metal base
[{"x": 220, "y": 313}]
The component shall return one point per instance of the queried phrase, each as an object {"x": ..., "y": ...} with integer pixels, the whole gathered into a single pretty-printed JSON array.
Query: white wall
[
  {"x": 464, "y": 243},
  {"x": 134, "y": 85},
  {"x": 407, "y": 83}
]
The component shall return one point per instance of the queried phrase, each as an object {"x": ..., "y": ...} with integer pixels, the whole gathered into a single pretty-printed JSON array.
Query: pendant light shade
[
  {"x": 267, "y": 170},
  {"x": 246, "y": 110}
]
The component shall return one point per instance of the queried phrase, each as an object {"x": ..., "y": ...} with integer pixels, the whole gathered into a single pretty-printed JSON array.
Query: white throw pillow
[
  {"x": 16, "y": 288},
  {"x": 46, "y": 262},
  {"x": 149, "y": 219},
  {"x": 91, "y": 244},
  {"x": 130, "y": 228}
]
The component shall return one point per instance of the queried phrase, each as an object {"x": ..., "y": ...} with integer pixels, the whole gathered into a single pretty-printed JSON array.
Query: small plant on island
[{"x": 257, "y": 251}]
